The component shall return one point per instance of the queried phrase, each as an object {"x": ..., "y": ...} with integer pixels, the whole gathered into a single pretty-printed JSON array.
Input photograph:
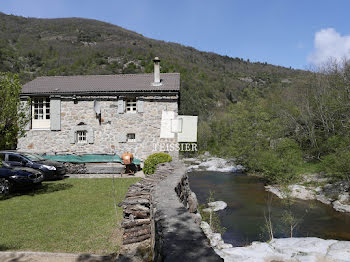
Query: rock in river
[{"x": 215, "y": 206}]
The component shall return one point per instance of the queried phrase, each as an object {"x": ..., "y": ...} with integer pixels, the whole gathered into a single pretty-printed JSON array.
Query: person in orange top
[{"x": 127, "y": 160}]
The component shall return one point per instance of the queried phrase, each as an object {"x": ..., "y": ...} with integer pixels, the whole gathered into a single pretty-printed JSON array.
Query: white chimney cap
[{"x": 157, "y": 81}]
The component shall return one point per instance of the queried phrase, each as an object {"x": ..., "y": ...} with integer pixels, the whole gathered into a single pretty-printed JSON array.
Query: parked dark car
[
  {"x": 18, "y": 177},
  {"x": 50, "y": 169}
]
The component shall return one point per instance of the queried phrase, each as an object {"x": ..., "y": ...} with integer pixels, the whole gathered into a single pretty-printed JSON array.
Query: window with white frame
[
  {"x": 131, "y": 105},
  {"x": 41, "y": 113},
  {"x": 81, "y": 137},
  {"x": 131, "y": 137}
]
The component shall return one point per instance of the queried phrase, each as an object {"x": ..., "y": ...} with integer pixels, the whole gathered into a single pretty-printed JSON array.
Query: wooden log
[
  {"x": 145, "y": 231},
  {"x": 138, "y": 197},
  {"x": 137, "y": 208},
  {"x": 136, "y": 239},
  {"x": 137, "y": 214},
  {"x": 136, "y": 201},
  {"x": 140, "y": 189},
  {"x": 138, "y": 222},
  {"x": 139, "y": 192},
  {"x": 137, "y": 228}
]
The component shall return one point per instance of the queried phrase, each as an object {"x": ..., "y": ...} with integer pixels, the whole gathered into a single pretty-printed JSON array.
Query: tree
[{"x": 13, "y": 118}]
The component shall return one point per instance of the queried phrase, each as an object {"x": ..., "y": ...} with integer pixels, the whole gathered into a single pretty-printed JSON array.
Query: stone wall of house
[{"x": 107, "y": 134}]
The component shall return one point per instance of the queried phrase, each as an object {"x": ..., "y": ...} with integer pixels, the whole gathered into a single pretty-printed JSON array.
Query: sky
[{"x": 290, "y": 33}]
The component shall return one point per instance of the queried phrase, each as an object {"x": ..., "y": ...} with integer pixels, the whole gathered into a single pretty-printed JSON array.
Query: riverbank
[
  {"x": 317, "y": 187},
  {"x": 301, "y": 249},
  {"x": 304, "y": 249},
  {"x": 209, "y": 163}
]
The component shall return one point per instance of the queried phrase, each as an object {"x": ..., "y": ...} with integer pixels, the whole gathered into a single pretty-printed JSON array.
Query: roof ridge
[{"x": 117, "y": 75}]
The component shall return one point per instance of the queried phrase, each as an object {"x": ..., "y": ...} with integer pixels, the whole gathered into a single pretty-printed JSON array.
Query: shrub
[
  {"x": 279, "y": 164},
  {"x": 337, "y": 165},
  {"x": 153, "y": 160}
]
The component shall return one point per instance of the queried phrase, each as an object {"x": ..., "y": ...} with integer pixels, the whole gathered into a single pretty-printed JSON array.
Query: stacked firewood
[{"x": 138, "y": 208}]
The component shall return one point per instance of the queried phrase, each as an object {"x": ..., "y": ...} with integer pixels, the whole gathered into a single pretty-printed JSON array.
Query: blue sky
[{"x": 294, "y": 33}]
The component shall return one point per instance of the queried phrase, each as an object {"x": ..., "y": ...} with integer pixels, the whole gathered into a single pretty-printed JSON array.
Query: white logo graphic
[{"x": 184, "y": 126}]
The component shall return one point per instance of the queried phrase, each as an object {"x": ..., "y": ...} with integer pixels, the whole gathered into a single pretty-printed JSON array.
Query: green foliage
[
  {"x": 337, "y": 164},
  {"x": 153, "y": 160},
  {"x": 311, "y": 167},
  {"x": 12, "y": 116},
  {"x": 252, "y": 132},
  {"x": 279, "y": 131},
  {"x": 279, "y": 164}
]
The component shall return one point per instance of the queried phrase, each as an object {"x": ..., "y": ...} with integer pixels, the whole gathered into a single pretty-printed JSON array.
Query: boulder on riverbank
[
  {"x": 336, "y": 194},
  {"x": 215, "y": 206},
  {"x": 207, "y": 163},
  {"x": 303, "y": 249},
  {"x": 215, "y": 239}
]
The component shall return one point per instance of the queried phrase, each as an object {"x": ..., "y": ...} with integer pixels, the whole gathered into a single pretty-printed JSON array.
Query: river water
[{"x": 247, "y": 200}]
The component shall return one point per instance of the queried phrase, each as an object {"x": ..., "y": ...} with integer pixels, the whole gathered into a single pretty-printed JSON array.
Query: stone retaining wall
[
  {"x": 160, "y": 212},
  {"x": 138, "y": 207}
]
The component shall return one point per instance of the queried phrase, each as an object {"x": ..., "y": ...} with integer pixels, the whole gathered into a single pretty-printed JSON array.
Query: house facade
[{"x": 100, "y": 114}]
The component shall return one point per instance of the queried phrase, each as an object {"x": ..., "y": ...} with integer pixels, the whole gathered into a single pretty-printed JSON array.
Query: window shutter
[
  {"x": 122, "y": 138},
  {"x": 90, "y": 136},
  {"x": 27, "y": 109},
  {"x": 138, "y": 138},
  {"x": 72, "y": 136},
  {"x": 140, "y": 106},
  {"x": 55, "y": 114},
  {"x": 121, "y": 106}
]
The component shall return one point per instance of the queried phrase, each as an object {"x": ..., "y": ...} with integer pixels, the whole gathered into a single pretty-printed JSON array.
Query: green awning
[{"x": 88, "y": 159}]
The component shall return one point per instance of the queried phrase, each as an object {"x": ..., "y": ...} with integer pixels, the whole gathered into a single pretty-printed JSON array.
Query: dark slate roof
[{"x": 101, "y": 84}]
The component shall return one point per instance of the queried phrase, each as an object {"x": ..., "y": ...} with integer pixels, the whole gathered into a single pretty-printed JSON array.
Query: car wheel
[{"x": 4, "y": 186}]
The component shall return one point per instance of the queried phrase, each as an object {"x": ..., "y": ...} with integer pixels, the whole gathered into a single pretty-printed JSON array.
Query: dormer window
[{"x": 131, "y": 106}]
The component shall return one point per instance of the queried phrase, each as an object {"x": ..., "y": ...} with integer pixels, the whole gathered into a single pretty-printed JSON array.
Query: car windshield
[{"x": 34, "y": 157}]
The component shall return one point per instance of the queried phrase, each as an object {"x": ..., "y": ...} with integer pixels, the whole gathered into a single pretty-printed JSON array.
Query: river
[{"x": 246, "y": 201}]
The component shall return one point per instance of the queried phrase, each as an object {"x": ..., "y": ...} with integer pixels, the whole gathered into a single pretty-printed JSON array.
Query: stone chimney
[{"x": 156, "y": 82}]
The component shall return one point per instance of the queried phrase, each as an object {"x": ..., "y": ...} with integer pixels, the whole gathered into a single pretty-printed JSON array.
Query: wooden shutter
[
  {"x": 90, "y": 136},
  {"x": 122, "y": 138},
  {"x": 140, "y": 105},
  {"x": 121, "y": 106},
  {"x": 26, "y": 107},
  {"x": 72, "y": 136},
  {"x": 55, "y": 114}
]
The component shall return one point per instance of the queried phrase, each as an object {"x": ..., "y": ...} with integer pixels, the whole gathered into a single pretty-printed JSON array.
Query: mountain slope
[{"x": 70, "y": 46}]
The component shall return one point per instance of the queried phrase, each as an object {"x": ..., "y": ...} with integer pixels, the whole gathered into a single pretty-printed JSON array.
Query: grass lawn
[{"x": 72, "y": 215}]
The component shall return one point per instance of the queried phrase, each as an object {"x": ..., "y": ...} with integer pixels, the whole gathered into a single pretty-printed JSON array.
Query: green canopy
[{"x": 89, "y": 159}]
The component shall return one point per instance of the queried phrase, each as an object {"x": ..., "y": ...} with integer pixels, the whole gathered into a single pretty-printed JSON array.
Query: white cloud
[{"x": 329, "y": 44}]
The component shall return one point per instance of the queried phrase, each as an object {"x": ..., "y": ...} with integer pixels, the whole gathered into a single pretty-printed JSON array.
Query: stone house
[{"x": 100, "y": 114}]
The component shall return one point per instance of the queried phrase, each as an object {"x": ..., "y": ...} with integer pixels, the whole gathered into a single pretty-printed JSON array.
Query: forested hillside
[{"x": 71, "y": 46}]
